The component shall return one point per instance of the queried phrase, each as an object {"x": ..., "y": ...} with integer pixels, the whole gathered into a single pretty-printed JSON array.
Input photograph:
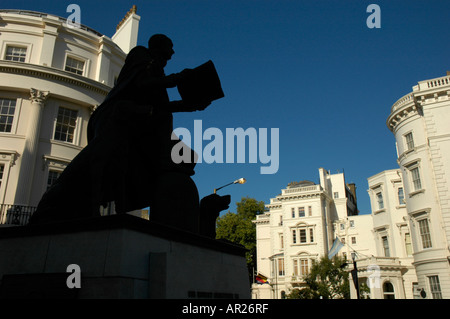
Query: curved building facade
[
  {"x": 52, "y": 76},
  {"x": 420, "y": 123}
]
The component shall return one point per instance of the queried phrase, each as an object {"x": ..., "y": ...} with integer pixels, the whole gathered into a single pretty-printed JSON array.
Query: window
[
  {"x": 65, "y": 125},
  {"x": 336, "y": 194},
  {"x": 435, "y": 287},
  {"x": 293, "y": 212},
  {"x": 353, "y": 240},
  {"x": 52, "y": 177},
  {"x": 388, "y": 291},
  {"x": 74, "y": 65},
  {"x": 304, "y": 267},
  {"x": 401, "y": 196},
  {"x": 425, "y": 233},
  {"x": 409, "y": 141},
  {"x": 295, "y": 262},
  {"x": 281, "y": 241},
  {"x": 408, "y": 245},
  {"x": 302, "y": 235},
  {"x": 280, "y": 265},
  {"x": 301, "y": 212},
  {"x": 309, "y": 210},
  {"x": 281, "y": 221},
  {"x": 301, "y": 266},
  {"x": 14, "y": 53},
  {"x": 385, "y": 242},
  {"x": 416, "y": 178},
  {"x": 380, "y": 200},
  {"x": 7, "y": 109},
  {"x": 352, "y": 223}
]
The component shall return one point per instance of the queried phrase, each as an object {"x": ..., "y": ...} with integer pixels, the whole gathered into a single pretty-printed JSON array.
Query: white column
[{"x": 28, "y": 157}]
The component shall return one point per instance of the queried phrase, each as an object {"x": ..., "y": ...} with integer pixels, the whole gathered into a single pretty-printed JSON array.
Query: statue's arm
[
  {"x": 145, "y": 80},
  {"x": 182, "y": 106}
]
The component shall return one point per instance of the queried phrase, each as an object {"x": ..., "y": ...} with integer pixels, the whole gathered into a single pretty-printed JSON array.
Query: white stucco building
[
  {"x": 420, "y": 123},
  {"x": 52, "y": 76},
  {"x": 402, "y": 249},
  {"x": 300, "y": 226},
  {"x": 386, "y": 266},
  {"x": 302, "y": 222}
]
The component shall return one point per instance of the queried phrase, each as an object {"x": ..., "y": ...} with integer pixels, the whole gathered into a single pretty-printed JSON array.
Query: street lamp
[
  {"x": 238, "y": 181},
  {"x": 355, "y": 275}
]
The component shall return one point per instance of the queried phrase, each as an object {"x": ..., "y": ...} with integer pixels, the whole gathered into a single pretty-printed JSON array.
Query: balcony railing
[
  {"x": 15, "y": 214},
  {"x": 311, "y": 188}
]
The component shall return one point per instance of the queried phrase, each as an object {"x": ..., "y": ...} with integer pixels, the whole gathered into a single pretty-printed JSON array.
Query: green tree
[
  {"x": 238, "y": 227},
  {"x": 327, "y": 279},
  {"x": 364, "y": 291},
  {"x": 303, "y": 293}
]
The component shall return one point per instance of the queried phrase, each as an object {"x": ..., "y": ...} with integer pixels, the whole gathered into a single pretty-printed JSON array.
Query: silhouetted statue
[{"x": 128, "y": 156}]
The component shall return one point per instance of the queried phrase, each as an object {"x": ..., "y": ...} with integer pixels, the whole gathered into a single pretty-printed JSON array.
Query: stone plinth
[{"x": 120, "y": 256}]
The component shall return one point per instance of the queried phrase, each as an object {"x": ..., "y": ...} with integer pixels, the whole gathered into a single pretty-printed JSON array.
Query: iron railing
[{"x": 15, "y": 214}]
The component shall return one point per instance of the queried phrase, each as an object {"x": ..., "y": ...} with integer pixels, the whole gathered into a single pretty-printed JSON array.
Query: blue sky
[{"x": 311, "y": 68}]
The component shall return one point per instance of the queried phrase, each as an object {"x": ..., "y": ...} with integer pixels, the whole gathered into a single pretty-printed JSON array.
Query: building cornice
[
  {"x": 262, "y": 219},
  {"x": 44, "y": 72},
  {"x": 10, "y": 155},
  {"x": 274, "y": 206},
  {"x": 430, "y": 261},
  {"x": 260, "y": 222},
  {"x": 310, "y": 194},
  {"x": 404, "y": 108},
  {"x": 54, "y": 162},
  {"x": 426, "y": 92},
  {"x": 40, "y": 19}
]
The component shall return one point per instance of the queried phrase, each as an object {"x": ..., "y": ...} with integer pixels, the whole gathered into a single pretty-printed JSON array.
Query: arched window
[
  {"x": 388, "y": 290},
  {"x": 302, "y": 233}
]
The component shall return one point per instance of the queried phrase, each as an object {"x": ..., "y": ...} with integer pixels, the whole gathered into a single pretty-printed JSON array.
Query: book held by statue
[{"x": 201, "y": 84}]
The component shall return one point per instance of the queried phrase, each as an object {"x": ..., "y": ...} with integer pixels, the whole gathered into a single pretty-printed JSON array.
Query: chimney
[{"x": 127, "y": 31}]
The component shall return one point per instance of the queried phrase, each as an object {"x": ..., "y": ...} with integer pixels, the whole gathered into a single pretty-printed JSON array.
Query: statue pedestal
[{"x": 119, "y": 257}]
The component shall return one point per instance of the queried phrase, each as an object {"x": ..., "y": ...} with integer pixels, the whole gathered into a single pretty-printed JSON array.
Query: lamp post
[
  {"x": 238, "y": 181},
  {"x": 275, "y": 261},
  {"x": 355, "y": 275}
]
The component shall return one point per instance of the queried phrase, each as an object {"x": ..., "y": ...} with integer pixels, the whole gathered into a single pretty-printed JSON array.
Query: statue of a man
[{"x": 128, "y": 156}]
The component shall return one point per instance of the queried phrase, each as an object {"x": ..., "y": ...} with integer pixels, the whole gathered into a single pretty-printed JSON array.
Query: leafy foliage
[
  {"x": 327, "y": 279},
  {"x": 238, "y": 227}
]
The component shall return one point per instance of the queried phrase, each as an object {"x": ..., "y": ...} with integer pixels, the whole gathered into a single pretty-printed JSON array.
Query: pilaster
[
  {"x": 49, "y": 35},
  {"x": 28, "y": 158}
]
